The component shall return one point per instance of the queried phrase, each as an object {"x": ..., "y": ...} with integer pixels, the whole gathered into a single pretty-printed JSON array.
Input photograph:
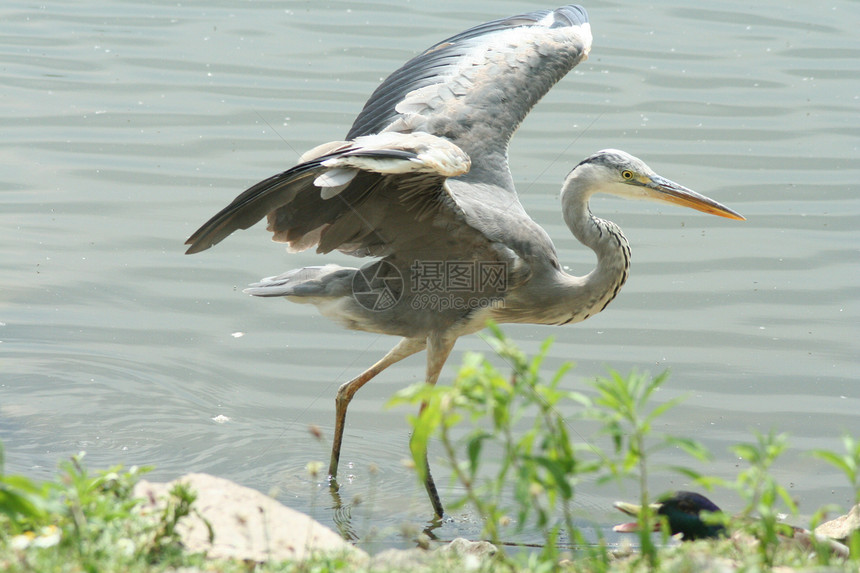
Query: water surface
[{"x": 126, "y": 125}]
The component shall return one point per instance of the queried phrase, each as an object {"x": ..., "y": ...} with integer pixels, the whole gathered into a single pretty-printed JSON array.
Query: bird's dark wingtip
[{"x": 195, "y": 247}]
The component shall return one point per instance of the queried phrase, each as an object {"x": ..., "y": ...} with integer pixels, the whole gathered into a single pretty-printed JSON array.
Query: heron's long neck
[{"x": 590, "y": 294}]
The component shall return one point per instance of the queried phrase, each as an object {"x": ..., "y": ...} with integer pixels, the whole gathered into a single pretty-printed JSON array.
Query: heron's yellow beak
[{"x": 667, "y": 191}]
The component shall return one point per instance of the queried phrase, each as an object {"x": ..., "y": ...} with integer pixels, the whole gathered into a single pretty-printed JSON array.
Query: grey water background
[{"x": 125, "y": 125}]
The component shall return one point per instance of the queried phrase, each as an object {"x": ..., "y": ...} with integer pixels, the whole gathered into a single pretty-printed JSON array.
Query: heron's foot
[
  {"x": 342, "y": 513},
  {"x": 429, "y": 484},
  {"x": 429, "y": 530},
  {"x": 334, "y": 462},
  {"x": 435, "y": 500},
  {"x": 334, "y": 491}
]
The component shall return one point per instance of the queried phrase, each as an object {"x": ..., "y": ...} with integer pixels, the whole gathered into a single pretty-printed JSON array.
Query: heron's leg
[
  {"x": 438, "y": 350},
  {"x": 404, "y": 348}
]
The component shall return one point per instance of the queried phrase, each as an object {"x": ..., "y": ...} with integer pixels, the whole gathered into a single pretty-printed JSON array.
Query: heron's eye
[{"x": 627, "y": 174}]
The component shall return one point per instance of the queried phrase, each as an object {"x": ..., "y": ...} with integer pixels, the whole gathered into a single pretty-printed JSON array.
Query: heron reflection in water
[{"x": 421, "y": 184}]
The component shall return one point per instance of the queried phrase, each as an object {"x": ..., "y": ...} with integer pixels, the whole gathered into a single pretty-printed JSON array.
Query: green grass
[
  {"x": 541, "y": 466},
  {"x": 508, "y": 448}
]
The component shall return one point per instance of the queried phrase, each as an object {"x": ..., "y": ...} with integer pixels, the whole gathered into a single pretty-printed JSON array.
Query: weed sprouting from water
[
  {"x": 623, "y": 406},
  {"x": 538, "y": 466}
]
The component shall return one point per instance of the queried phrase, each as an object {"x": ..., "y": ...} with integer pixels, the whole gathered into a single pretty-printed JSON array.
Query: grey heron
[{"x": 421, "y": 184}]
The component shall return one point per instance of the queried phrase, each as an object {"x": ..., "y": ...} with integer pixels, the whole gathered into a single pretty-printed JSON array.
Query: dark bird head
[{"x": 682, "y": 511}]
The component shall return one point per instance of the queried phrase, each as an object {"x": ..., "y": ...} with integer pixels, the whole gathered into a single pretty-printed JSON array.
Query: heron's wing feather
[
  {"x": 346, "y": 197},
  {"x": 476, "y": 87}
]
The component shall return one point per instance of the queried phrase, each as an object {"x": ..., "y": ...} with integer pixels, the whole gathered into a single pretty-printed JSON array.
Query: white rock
[{"x": 248, "y": 525}]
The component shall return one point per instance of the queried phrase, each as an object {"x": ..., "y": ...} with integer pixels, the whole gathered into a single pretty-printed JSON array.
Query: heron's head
[{"x": 618, "y": 173}]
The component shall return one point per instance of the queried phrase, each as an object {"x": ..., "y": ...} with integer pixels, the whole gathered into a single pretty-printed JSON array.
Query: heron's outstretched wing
[
  {"x": 359, "y": 196},
  {"x": 385, "y": 190},
  {"x": 475, "y": 88}
]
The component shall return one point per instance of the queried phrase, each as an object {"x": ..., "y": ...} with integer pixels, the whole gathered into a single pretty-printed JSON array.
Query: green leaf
[
  {"x": 662, "y": 409},
  {"x": 558, "y": 475},
  {"x": 692, "y": 474},
  {"x": 474, "y": 447},
  {"x": 834, "y": 459},
  {"x": 692, "y": 447},
  {"x": 745, "y": 451},
  {"x": 787, "y": 500}
]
